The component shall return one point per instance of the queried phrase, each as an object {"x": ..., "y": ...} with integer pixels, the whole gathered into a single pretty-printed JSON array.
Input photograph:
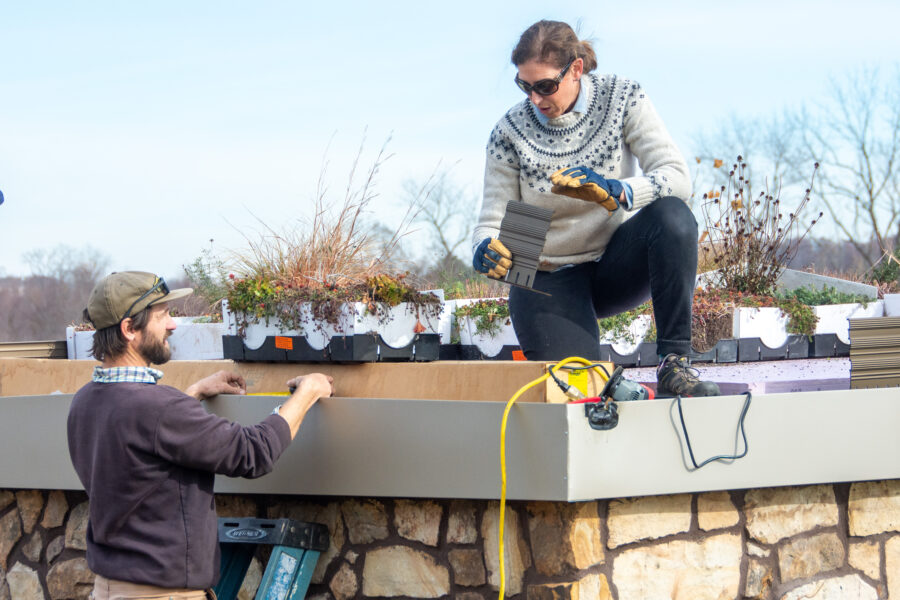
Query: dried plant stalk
[
  {"x": 480, "y": 287},
  {"x": 748, "y": 239},
  {"x": 331, "y": 250}
]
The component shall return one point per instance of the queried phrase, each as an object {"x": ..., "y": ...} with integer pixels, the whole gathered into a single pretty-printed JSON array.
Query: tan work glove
[
  {"x": 492, "y": 258},
  {"x": 584, "y": 184}
]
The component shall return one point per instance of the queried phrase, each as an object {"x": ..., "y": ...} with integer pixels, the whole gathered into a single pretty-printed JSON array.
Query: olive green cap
[{"x": 121, "y": 295}]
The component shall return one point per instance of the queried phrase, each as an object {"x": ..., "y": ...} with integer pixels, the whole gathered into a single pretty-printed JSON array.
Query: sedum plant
[{"x": 488, "y": 314}]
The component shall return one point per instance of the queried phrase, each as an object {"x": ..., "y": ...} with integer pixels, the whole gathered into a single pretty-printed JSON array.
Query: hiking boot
[{"x": 676, "y": 377}]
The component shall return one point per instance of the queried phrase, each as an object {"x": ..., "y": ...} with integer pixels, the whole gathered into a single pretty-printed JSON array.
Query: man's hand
[
  {"x": 223, "y": 382},
  {"x": 314, "y": 384},
  {"x": 492, "y": 258},
  {"x": 584, "y": 184},
  {"x": 307, "y": 390}
]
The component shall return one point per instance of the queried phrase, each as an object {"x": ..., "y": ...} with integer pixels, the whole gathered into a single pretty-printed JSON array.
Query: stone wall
[{"x": 821, "y": 542}]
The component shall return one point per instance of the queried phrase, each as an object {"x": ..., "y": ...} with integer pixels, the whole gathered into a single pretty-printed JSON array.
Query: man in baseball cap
[
  {"x": 122, "y": 295},
  {"x": 147, "y": 454},
  {"x": 128, "y": 295}
]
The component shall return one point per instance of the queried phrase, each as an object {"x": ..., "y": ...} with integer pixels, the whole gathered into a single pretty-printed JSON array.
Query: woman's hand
[
  {"x": 584, "y": 184},
  {"x": 492, "y": 258}
]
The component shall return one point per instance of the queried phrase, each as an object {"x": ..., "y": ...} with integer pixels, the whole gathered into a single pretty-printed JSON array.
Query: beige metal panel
[
  {"x": 795, "y": 438},
  {"x": 413, "y": 448},
  {"x": 346, "y": 447},
  {"x": 34, "y": 452},
  {"x": 450, "y": 449}
]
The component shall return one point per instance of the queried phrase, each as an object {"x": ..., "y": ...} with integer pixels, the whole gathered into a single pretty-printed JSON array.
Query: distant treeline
[
  {"x": 832, "y": 257},
  {"x": 39, "y": 307}
]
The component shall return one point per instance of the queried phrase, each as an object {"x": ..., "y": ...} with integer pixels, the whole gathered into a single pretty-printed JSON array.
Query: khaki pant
[{"x": 113, "y": 589}]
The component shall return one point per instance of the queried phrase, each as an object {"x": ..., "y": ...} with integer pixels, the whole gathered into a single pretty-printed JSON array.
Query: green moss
[
  {"x": 488, "y": 315},
  {"x": 258, "y": 299},
  {"x": 823, "y": 296},
  {"x": 802, "y": 318},
  {"x": 618, "y": 324}
]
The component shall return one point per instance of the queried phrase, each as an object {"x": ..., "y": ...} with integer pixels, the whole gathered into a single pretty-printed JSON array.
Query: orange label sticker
[
  {"x": 284, "y": 342},
  {"x": 518, "y": 355}
]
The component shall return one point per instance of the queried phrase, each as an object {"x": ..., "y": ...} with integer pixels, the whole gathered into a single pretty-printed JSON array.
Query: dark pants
[{"x": 651, "y": 255}]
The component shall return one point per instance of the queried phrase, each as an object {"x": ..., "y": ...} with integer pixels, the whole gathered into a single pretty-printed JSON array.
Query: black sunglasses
[
  {"x": 544, "y": 87},
  {"x": 159, "y": 285}
]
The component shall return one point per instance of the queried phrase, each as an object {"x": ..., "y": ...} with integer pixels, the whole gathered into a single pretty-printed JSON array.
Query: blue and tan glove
[
  {"x": 492, "y": 258},
  {"x": 584, "y": 184}
]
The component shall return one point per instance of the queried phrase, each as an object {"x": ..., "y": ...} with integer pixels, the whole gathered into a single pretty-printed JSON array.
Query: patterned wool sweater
[{"x": 618, "y": 128}]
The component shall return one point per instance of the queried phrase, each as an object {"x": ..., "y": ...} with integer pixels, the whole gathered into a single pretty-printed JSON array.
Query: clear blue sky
[{"x": 146, "y": 129}]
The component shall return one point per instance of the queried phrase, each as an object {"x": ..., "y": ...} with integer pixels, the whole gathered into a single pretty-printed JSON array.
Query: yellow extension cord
[{"x": 509, "y": 405}]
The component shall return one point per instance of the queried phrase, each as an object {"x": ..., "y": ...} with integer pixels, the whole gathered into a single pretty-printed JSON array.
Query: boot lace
[{"x": 679, "y": 372}]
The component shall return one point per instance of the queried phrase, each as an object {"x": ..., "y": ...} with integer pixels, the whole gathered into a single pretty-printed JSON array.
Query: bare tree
[
  {"x": 855, "y": 137},
  {"x": 853, "y": 133},
  {"x": 39, "y": 307},
  {"x": 447, "y": 213},
  {"x": 67, "y": 263},
  {"x": 830, "y": 257},
  {"x": 766, "y": 145}
]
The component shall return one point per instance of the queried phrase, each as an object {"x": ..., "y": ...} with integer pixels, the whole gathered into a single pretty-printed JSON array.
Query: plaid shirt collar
[{"x": 126, "y": 375}]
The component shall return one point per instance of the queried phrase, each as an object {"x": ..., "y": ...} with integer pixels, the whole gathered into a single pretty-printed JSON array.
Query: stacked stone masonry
[{"x": 820, "y": 542}]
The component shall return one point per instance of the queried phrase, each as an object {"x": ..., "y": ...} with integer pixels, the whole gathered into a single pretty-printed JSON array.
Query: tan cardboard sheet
[{"x": 445, "y": 380}]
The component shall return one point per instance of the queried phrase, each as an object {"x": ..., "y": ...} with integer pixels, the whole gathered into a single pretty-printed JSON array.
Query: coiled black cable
[{"x": 741, "y": 429}]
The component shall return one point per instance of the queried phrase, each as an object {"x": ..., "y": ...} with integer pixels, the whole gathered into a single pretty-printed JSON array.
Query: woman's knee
[{"x": 676, "y": 218}]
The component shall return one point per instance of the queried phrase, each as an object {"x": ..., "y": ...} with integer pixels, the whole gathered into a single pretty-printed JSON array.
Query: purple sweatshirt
[{"x": 147, "y": 455}]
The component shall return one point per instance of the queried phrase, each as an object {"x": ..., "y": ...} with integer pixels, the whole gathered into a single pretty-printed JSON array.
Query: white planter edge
[{"x": 396, "y": 325}]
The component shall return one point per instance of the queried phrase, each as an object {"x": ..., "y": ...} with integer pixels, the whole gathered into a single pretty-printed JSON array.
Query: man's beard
[{"x": 154, "y": 350}]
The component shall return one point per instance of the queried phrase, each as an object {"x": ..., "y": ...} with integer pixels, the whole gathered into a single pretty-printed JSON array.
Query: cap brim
[{"x": 174, "y": 295}]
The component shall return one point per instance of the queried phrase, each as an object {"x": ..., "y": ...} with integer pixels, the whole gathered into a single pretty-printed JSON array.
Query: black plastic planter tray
[
  {"x": 471, "y": 352},
  {"x": 754, "y": 350},
  {"x": 827, "y": 345},
  {"x": 348, "y": 348},
  {"x": 643, "y": 356},
  {"x": 449, "y": 352},
  {"x": 725, "y": 351}
]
